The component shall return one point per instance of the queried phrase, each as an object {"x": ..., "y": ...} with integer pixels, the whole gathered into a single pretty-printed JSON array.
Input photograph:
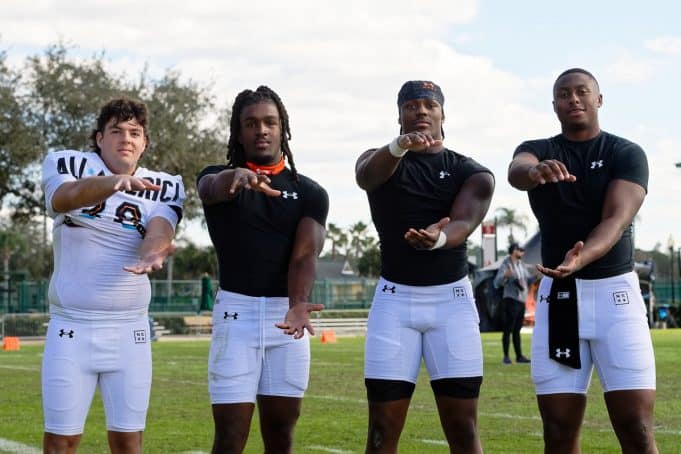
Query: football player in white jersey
[{"x": 113, "y": 223}]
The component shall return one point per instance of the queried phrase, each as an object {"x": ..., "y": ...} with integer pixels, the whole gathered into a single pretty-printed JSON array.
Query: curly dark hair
[
  {"x": 122, "y": 109},
  {"x": 236, "y": 155}
]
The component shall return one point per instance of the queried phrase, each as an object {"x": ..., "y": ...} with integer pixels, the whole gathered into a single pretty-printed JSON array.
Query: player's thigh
[
  {"x": 392, "y": 348},
  {"x": 623, "y": 350},
  {"x": 452, "y": 346},
  {"x": 68, "y": 385},
  {"x": 234, "y": 359},
  {"x": 286, "y": 367},
  {"x": 125, "y": 390},
  {"x": 549, "y": 376}
]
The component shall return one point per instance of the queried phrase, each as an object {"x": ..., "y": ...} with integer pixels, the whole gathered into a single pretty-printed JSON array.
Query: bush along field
[{"x": 334, "y": 414}]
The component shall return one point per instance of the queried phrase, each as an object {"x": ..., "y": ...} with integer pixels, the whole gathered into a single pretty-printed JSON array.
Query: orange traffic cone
[
  {"x": 10, "y": 343},
  {"x": 328, "y": 336}
]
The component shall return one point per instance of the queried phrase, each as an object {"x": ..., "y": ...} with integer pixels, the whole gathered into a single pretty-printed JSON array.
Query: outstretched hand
[
  {"x": 425, "y": 238},
  {"x": 132, "y": 183},
  {"x": 151, "y": 262},
  {"x": 571, "y": 264},
  {"x": 417, "y": 141},
  {"x": 297, "y": 319},
  {"x": 247, "y": 179},
  {"x": 550, "y": 171}
]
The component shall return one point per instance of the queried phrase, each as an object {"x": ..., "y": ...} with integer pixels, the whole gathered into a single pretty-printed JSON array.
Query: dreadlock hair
[
  {"x": 236, "y": 155},
  {"x": 120, "y": 109},
  {"x": 576, "y": 70}
]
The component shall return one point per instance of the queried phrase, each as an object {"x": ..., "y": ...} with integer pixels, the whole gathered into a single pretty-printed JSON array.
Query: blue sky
[{"x": 338, "y": 67}]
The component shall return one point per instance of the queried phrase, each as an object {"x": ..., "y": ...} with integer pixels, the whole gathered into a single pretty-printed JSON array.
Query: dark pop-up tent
[{"x": 488, "y": 299}]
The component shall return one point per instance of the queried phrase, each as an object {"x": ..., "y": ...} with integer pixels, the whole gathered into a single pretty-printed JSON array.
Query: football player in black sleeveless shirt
[
  {"x": 266, "y": 222},
  {"x": 585, "y": 186},
  {"x": 425, "y": 201}
]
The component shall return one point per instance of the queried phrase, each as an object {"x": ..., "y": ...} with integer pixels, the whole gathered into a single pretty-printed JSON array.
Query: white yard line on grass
[
  {"x": 327, "y": 449},
  {"x": 15, "y": 447},
  {"x": 434, "y": 442},
  {"x": 28, "y": 368}
]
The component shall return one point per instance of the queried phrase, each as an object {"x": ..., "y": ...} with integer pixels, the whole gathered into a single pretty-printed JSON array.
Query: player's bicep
[
  {"x": 473, "y": 200},
  {"x": 309, "y": 239},
  {"x": 622, "y": 201}
]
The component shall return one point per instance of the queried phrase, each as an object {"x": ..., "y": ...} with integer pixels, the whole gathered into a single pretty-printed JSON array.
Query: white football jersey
[{"x": 92, "y": 244}]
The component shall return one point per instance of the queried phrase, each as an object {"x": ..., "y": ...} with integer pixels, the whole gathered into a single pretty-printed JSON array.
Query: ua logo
[
  {"x": 562, "y": 353},
  {"x": 233, "y": 315},
  {"x": 286, "y": 195},
  {"x": 543, "y": 298},
  {"x": 388, "y": 289},
  {"x": 595, "y": 164},
  {"x": 443, "y": 174},
  {"x": 63, "y": 332}
]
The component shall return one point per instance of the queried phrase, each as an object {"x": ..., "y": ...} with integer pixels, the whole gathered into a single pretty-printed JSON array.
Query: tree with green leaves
[
  {"x": 57, "y": 110},
  {"x": 508, "y": 217},
  {"x": 338, "y": 238}
]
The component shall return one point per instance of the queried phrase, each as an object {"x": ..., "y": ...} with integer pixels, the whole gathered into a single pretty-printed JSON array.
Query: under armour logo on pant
[
  {"x": 233, "y": 315},
  {"x": 388, "y": 289},
  {"x": 443, "y": 174},
  {"x": 595, "y": 164},
  {"x": 543, "y": 298},
  {"x": 63, "y": 332},
  {"x": 562, "y": 353},
  {"x": 286, "y": 195}
]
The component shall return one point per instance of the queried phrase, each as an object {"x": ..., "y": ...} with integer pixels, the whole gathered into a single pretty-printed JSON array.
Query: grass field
[{"x": 334, "y": 409}]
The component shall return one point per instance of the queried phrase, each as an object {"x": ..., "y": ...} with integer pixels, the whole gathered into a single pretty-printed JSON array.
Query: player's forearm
[
  {"x": 601, "y": 240},
  {"x": 376, "y": 168},
  {"x": 214, "y": 188},
  {"x": 158, "y": 238},
  {"x": 83, "y": 193},
  {"x": 457, "y": 232},
  {"x": 301, "y": 275},
  {"x": 519, "y": 175}
]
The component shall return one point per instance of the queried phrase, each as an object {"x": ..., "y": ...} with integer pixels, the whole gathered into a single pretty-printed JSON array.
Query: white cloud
[
  {"x": 670, "y": 45},
  {"x": 338, "y": 67},
  {"x": 628, "y": 68}
]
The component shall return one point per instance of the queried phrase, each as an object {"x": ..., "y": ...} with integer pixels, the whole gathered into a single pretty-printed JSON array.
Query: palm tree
[
  {"x": 508, "y": 217},
  {"x": 338, "y": 238},
  {"x": 358, "y": 233}
]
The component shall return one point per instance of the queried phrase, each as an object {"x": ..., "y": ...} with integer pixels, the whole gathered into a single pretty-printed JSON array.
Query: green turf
[{"x": 334, "y": 410}]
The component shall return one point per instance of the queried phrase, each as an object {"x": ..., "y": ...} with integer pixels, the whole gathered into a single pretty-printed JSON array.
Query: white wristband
[
  {"x": 395, "y": 149},
  {"x": 441, "y": 241}
]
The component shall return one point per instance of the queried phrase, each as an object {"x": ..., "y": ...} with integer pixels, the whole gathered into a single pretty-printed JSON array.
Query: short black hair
[{"x": 576, "y": 70}]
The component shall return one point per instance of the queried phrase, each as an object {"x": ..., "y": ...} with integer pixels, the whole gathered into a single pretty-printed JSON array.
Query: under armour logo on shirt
[
  {"x": 562, "y": 353},
  {"x": 388, "y": 289},
  {"x": 443, "y": 174},
  {"x": 63, "y": 332},
  {"x": 292, "y": 195},
  {"x": 233, "y": 315},
  {"x": 595, "y": 164}
]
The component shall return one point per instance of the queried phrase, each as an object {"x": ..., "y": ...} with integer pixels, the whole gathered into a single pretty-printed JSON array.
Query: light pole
[{"x": 670, "y": 243}]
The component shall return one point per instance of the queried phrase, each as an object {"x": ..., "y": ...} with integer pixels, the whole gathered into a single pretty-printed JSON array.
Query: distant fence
[{"x": 23, "y": 296}]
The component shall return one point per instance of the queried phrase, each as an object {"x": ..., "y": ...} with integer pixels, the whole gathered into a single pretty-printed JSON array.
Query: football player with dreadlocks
[{"x": 266, "y": 222}]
